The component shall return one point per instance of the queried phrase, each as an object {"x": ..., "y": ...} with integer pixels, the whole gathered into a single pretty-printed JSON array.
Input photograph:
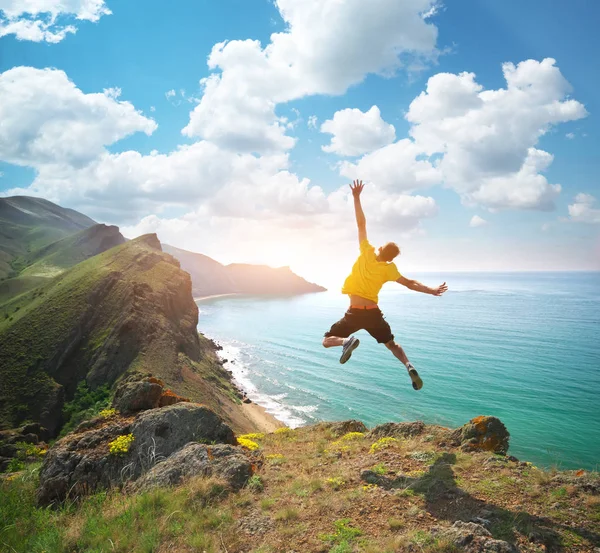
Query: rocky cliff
[{"x": 129, "y": 308}]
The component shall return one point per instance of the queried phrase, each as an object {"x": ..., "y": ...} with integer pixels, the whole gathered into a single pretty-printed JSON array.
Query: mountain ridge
[
  {"x": 128, "y": 308},
  {"x": 209, "y": 277}
]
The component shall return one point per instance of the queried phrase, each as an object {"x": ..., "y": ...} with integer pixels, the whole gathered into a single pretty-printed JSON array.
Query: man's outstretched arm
[
  {"x": 418, "y": 287},
  {"x": 357, "y": 187}
]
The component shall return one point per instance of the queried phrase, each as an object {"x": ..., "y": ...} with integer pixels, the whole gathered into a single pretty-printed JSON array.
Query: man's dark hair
[{"x": 389, "y": 251}]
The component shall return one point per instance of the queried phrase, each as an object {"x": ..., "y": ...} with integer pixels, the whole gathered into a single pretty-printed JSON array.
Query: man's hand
[
  {"x": 440, "y": 290},
  {"x": 357, "y": 187}
]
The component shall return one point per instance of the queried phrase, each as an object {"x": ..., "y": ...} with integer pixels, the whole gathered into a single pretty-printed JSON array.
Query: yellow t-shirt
[{"x": 369, "y": 275}]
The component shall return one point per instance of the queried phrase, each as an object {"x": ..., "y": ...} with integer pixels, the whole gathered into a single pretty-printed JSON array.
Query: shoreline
[
  {"x": 215, "y": 296},
  {"x": 265, "y": 422},
  {"x": 256, "y": 413}
]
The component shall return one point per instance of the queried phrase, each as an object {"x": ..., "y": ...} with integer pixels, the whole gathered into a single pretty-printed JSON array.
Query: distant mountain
[
  {"x": 211, "y": 277},
  {"x": 208, "y": 276},
  {"x": 27, "y": 224},
  {"x": 129, "y": 308}
]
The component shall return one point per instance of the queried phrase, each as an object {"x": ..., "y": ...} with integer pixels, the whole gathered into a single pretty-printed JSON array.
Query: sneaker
[
  {"x": 417, "y": 383},
  {"x": 350, "y": 345}
]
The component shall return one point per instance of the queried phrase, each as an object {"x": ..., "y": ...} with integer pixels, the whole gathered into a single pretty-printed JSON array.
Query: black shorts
[{"x": 370, "y": 320}]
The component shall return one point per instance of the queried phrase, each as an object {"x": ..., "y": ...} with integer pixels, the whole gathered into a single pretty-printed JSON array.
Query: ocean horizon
[{"x": 521, "y": 346}]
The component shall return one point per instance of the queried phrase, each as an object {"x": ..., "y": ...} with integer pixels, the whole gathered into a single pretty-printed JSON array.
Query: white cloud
[
  {"x": 36, "y": 20},
  {"x": 46, "y": 119},
  {"x": 313, "y": 122},
  {"x": 315, "y": 55},
  {"x": 477, "y": 221},
  {"x": 570, "y": 135},
  {"x": 487, "y": 137},
  {"x": 582, "y": 210},
  {"x": 395, "y": 167},
  {"x": 482, "y": 141},
  {"x": 290, "y": 238},
  {"x": 356, "y": 133}
]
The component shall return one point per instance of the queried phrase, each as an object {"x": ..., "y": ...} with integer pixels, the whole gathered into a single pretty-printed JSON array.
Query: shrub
[
  {"x": 253, "y": 436},
  {"x": 121, "y": 445},
  {"x": 107, "y": 413},
  {"x": 379, "y": 469},
  {"x": 343, "y": 532},
  {"x": 383, "y": 443},
  {"x": 85, "y": 404},
  {"x": 248, "y": 444},
  {"x": 29, "y": 450},
  {"x": 352, "y": 436},
  {"x": 336, "y": 482},
  {"x": 275, "y": 458},
  {"x": 284, "y": 431},
  {"x": 15, "y": 465},
  {"x": 255, "y": 483}
]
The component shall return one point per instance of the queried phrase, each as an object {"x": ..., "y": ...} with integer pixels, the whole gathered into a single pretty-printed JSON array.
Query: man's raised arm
[
  {"x": 418, "y": 287},
  {"x": 357, "y": 187}
]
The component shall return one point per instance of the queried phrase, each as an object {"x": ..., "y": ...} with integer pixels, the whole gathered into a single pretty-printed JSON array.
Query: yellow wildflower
[
  {"x": 248, "y": 444},
  {"x": 383, "y": 443},
  {"x": 121, "y": 445}
]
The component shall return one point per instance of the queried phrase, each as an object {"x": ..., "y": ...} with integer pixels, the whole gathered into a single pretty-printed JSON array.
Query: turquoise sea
[{"x": 524, "y": 347}]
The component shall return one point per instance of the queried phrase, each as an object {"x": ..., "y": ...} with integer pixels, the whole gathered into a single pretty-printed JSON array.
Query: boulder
[
  {"x": 160, "y": 432},
  {"x": 344, "y": 427},
  {"x": 8, "y": 450},
  {"x": 131, "y": 397},
  {"x": 37, "y": 429},
  {"x": 81, "y": 462},
  {"x": 474, "y": 538},
  {"x": 25, "y": 438},
  {"x": 169, "y": 397},
  {"x": 4, "y": 462},
  {"x": 222, "y": 461},
  {"x": 482, "y": 434},
  {"x": 397, "y": 430}
]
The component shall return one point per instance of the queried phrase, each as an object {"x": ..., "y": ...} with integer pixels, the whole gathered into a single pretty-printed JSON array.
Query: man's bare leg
[
  {"x": 333, "y": 341},
  {"x": 398, "y": 352},
  {"x": 349, "y": 344}
]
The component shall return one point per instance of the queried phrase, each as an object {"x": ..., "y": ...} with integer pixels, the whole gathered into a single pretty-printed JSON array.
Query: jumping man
[{"x": 368, "y": 275}]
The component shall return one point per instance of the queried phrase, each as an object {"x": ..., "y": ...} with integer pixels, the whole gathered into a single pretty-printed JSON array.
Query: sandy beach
[{"x": 263, "y": 421}]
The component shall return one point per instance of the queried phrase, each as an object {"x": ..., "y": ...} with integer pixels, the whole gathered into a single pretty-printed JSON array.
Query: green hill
[
  {"x": 27, "y": 224},
  {"x": 128, "y": 308},
  {"x": 38, "y": 266}
]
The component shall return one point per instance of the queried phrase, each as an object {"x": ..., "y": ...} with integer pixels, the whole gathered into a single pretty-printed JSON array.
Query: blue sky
[{"x": 274, "y": 193}]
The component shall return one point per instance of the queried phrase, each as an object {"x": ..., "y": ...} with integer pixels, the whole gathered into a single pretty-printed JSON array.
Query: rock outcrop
[
  {"x": 474, "y": 538},
  {"x": 397, "y": 430},
  {"x": 131, "y": 397},
  {"x": 225, "y": 461},
  {"x": 338, "y": 429},
  {"x": 82, "y": 461},
  {"x": 482, "y": 434}
]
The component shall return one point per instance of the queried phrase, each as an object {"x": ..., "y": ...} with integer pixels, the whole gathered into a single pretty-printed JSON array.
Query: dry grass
[{"x": 305, "y": 497}]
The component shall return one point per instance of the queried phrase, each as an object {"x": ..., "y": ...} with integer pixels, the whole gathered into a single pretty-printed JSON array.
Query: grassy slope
[
  {"x": 128, "y": 308},
  {"x": 308, "y": 497},
  {"x": 37, "y": 267},
  {"x": 27, "y": 224}
]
